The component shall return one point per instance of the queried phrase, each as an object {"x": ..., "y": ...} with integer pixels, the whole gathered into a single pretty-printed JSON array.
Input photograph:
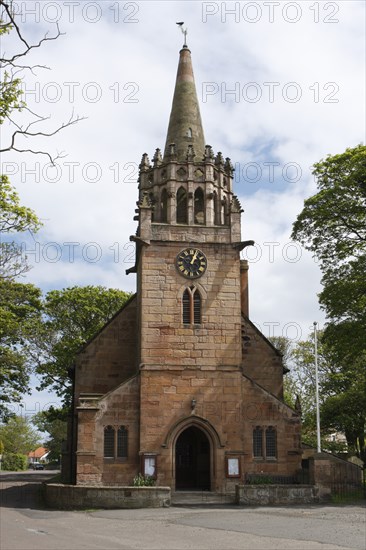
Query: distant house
[{"x": 38, "y": 455}]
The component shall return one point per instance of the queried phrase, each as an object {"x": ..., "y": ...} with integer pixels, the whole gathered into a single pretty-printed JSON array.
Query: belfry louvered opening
[
  {"x": 191, "y": 306},
  {"x": 196, "y": 307},
  {"x": 182, "y": 205}
]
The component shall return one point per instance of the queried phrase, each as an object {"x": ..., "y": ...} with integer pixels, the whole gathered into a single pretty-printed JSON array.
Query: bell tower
[{"x": 188, "y": 244}]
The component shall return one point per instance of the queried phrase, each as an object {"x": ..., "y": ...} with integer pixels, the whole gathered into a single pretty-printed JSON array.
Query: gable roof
[
  {"x": 86, "y": 344},
  {"x": 270, "y": 394},
  {"x": 267, "y": 342},
  {"x": 40, "y": 452}
]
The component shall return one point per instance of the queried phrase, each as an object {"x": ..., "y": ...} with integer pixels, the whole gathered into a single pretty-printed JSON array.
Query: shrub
[
  {"x": 261, "y": 480},
  {"x": 143, "y": 481},
  {"x": 14, "y": 462}
]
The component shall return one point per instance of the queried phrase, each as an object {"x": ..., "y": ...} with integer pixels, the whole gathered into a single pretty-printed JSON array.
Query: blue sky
[{"x": 281, "y": 85}]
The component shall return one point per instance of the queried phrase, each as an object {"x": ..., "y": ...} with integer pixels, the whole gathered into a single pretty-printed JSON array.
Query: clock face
[{"x": 191, "y": 263}]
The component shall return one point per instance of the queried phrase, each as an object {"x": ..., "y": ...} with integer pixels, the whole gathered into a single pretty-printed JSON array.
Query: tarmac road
[{"x": 26, "y": 525}]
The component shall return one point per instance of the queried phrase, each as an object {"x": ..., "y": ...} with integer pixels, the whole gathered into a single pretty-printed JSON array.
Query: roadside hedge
[{"x": 14, "y": 462}]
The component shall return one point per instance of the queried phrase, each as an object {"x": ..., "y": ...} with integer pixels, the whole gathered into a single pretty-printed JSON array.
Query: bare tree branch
[
  {"x": 11, "y": 83},
  {"x": 26, "y": 133},
  {"x": 8, "y": 8}
]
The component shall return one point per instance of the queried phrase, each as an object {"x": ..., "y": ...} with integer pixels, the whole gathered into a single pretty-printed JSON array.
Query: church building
[{"x": 180, "y": 385}]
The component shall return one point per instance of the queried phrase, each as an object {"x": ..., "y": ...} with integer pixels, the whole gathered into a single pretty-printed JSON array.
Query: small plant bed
[{"x": 143, "y": 481}]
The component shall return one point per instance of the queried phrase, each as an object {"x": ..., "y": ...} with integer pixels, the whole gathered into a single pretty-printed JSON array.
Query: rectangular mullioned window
[
  {"x": 258, "y": 442},
  {"x": 265, "y": 443},
  {"x": 115, "y": 442}
]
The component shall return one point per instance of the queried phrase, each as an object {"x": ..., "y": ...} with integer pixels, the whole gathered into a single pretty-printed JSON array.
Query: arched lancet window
[
  {"x": 164, "y": 206},
  {"x": 182, "y": 206},
  {"x": 189, "y": 132},
  {"x": 152, "y": 202},
  {"x": 109, "y": 442},
  {"x": 186, "y": 307},
  {"x": 271, "y": 442},
  {"x": 216, "y": 209},
  {"x": 197, "y": 307},
  {"x": 122, "y": 442},
  {"x": 192, "y": 306},
  {"x": 258, "y": 442},
  {"x": 225, "y": 211},
  {"x": 199, "y": 207}
]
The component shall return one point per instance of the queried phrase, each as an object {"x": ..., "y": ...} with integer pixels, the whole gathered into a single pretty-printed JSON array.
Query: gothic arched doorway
[{"x": 192, "y": 460}]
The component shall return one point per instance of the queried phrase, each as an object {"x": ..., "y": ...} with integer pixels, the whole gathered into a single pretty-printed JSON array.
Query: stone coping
[
  {"x": 272, "y": 494},
  {"x": 66, "y": 497}
]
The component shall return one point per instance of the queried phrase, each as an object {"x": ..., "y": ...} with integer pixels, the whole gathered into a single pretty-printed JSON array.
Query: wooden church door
[{"x": 192, "y": 460}]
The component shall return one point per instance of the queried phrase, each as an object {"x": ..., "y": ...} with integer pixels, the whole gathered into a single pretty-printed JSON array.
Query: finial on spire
[{"x": 184, "y": 31}]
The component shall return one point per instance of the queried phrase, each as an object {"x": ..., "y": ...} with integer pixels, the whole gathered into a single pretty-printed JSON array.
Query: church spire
[{"x": 185, "y": 126}]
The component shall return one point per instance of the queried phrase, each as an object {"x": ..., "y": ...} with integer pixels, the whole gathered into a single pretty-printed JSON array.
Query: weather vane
[{"x": 184, "y": 31}]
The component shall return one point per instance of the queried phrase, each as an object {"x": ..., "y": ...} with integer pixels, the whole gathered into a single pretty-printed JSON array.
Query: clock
[{"x": 191, "y": 263}]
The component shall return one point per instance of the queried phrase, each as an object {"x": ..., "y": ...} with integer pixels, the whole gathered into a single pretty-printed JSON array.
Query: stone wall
[
  {"x": 118, "y": 408},
  {"x": 261, "y": 361},
  {"x": 111, "y": 356},
  {"x": 165, "y": 340},
  {"x": 332, "y": 474},
  {"x": 71, "y": 497},
  {"x": 277, "y": 495},
  {"x": 228, "y": 406}
]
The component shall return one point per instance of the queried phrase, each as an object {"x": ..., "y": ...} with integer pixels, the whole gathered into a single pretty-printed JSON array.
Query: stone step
[{"x": 200, "y": 498}]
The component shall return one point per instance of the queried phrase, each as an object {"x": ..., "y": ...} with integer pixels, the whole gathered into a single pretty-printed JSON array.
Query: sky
[{"x": 281, "y": 85}]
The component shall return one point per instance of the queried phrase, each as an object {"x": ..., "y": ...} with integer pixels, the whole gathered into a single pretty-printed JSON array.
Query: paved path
[{"x": 25, "y": 525}]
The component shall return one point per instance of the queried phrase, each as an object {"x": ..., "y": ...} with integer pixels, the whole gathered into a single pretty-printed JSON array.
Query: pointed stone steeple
[
  {"x": 188, "y": 185},
  {"x": 185, "y": 126}
]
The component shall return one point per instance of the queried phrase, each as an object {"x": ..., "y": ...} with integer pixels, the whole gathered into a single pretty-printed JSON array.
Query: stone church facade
[{"x": 180, "y": 384}]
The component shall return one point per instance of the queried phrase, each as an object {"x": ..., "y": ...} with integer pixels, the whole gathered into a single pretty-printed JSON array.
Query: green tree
[
  {"x": 18, "y": 436},
  {"x": 54, "y": 422},
  {"x": 10, "y": 91},
  {"x": 18, "y": 303},
  {"x": 14, "y": 219},
  {"x": 342, "y": 395},
  {"x": 344, "y": 410},
  {"x": 14, "y": 462},
  {"x": 299, "y": 382},
  {"x": 332, "y": 225},
  {"x": 20, "y": 309},
  {"x": 72, "y": 316}
]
